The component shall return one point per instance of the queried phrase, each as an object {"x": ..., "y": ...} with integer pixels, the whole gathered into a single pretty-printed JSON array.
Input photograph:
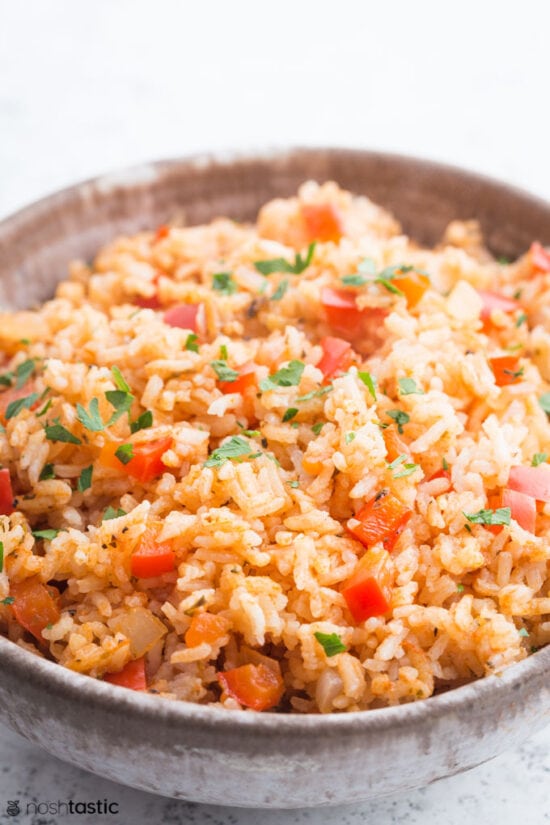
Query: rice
[{"x": 208, "y": 494}]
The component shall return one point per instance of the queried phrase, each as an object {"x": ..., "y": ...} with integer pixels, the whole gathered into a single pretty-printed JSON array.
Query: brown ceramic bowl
[{"x": 204, "y": 753}]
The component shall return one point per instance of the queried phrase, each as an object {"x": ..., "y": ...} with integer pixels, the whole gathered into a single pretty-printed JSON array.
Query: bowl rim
[{"x": 56, "y": 679}]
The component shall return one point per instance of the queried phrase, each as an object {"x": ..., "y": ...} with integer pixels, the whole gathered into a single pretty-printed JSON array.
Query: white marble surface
[{"x": 88, "y": 87}]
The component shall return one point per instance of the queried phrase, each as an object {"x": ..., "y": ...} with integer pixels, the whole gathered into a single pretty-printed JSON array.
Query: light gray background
[{"x": 86, "y": 87}]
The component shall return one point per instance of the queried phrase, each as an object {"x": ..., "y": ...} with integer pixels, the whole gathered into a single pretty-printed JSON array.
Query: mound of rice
[{"x": 123, "y": 443}]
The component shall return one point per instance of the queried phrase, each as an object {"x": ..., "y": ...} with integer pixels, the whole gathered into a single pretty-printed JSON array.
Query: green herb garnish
[
  {"x": 144, "y": 421},
  {"x": 120, "y": 382},
  {"x": 288, "y": 376},
  {"x": 408, "y": 469},
  {"x": 125, "y": 453},
  {"x": 315, "y": 393},
  {"x": 408, "y": 386},
  {"x": 522, "y": 318},
  {"x": 121, "y": 400},
  {"x": 282, "y": 265},
  {"x": 349, "y": 437},
  {"x": 24, "y": 372},
  {"x": 26, "y": 403},
  {"x": 460, "y": 588},
  {"x": 85, "y": 479},
  {"x": 316, "y": 428},
  {"x": 236, "y": 447},
  {"x": 290, "y": 413},
  {"x": 523, "y": 632},
  {"x": 47, "y": 472},
  {"x": 499, "y": 516},
  {"x": 370, "y": 382},
  {"x": 539, "y": 458},
  {"x": 223, "y": 283},
  {"x": 48, "y": 535},
  {"x": 397, "y": 461},
  {"x": 280, "y": 291},
  {"x": 191, "y": 342},
  {"x": 331, "y": 643},
  {"x": 224, "y": 372},
  {"x": 91, "y": 419},
  {"x": 401, "y": 418},
  {"x": 111, "y": 513},
  {"x": 57, "y": 432},
  {"x": 544, "y": 402}
]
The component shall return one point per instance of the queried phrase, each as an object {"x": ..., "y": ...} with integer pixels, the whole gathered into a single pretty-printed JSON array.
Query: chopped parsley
[
  {"x": 24, "y": 372},
  {"x": 7, "y": 601},
  {"x": 44, "y": 409},
  {"x": 224, "y": 352},
  {"x": 499, "y": 516},
  {"x": 316, "y": 428},
  {"x": 407, "y": 470},
  {"x": 522, "y": 318},
  {"x": 514, "y": 373},
  {"x": 91, "y": 419},
  {"x": 349, "y": 437},
  {"x": 144, "y": 421},
  {"x": 397, "y": 461},
  {"x": 523, "y": 632},
  {"x": 26, "y": 403},
  {"x": 120, "y": 382},
  {"x": 282, "y": 265},
  {"x": 445, "y": 464},
  {"x": 290, "y": 413},
  {"x": 288, "y": 376},
  {"x": 224, "y": 372},
  {"x": 460, "y": 588},
  {"x": 48, "y": 535},
  {"x": 401, "y": 418},
  {"x": 315, "y": 393},
  {"x": 111, "y": 513},
  {"x": 223, "y": 283},
  {"x": 280, "y": 292},
  {"x": 370, "y": 382},
  {"x": 121, "y": 400},
  {"x": 125, "y": 453},
  {"x": 236, "y": 447},
  {"x": 85, "y": 479},
  {"x": 331, "y": 643},
  {"x": 408, "y": 386},
  {"x": 47, "y": 472},
  {"x": 544, "y": 402},
  {"x": 539, "y": 458},
  {"x": 355, "y": 280},
  {"x": 57, "y": 432},
  {"x": 191, "y": 342},
  {"x": 293, "y": 484}
]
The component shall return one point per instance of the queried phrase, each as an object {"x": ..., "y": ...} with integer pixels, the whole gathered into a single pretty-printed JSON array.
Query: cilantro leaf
[
  {"x": 522, "y": 318},
  {"x": 111, "y": 513},
  {"x": 234, "y": 448},
  {"x": 15, "y": 407},
  {"x": 400, "y": 418},
  {"x": 369, "y": 381},
  {"x": 331, "y": 643},
  {"x": 223, "y": 283},
  {"x": 280, "y": 291},
  {"x": 316, "y": 393},
  {"x": 397, "y": 461},
  {"x": 125, "y": 453},
  {"x": 316, "y": 428},
  {"x": 290, "y": 413},
  {"x": 24, "y": 372},
  {"x": 355, "y": 280},
  {"x": 85, "y": 479},
  {"x": 144, "y": 421},
  {"x": 92, "y": 419},
  {"x": 293, "y": 484},
  {"x": 408, "y": 469},
  {"x": 544, "y": 402},
  {"x": 349, "y": 437},
  {"x": 407, "y": 386},
  {"x": 282, "y": 265},
  {"x": 57, "y": 432},
  {"x": 7, "y": 601},
  {"x": 499, "y": 516},
  {"x": 121, "y": 400},
  {"x": 460, "y": 588},
  {"x": 47, "y": 472},
  {"x": 191, "y": 342},
  {"x": 48, "y": 535},
  {"x": 120, "y": 383},
  {"x": 288, "y": 376},
  {"x": 539, "y": 458},
  {"x": 224, "y": 372}
]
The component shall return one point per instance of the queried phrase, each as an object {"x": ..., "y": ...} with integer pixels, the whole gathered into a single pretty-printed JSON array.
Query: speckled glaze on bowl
[{"x": 203, "y": 753}]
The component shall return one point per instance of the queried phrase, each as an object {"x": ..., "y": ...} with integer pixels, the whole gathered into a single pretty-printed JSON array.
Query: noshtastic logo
[
  {"x": 13, "y": 808},
  {"x": 99, "y": 807}
]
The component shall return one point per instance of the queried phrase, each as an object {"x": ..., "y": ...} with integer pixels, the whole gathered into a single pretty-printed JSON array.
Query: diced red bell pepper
[
  {"x": 533, "y": 481},
  {"x": 539, "y": 258},
  {"x": 6, "y": 493},
  {"x": 395, "y": 445},
  {"x": 383, "y": 518},
  {"x": 322, "y": 221},
  {"x": 255, "y": 686},
  {"x": 35, "y": 605},
  {"x": 492, "y": 301},
  {"x": 206, "y": 628},
  {"x": 153, "y": 302},
  {"x": 368, "y": 591},
  {"x": 146, "y": 463},
  {"x": 337, "y": 356},
  {"x": 247, "y": 378},
  {"x": 345, "y": 317},
  {"x": 152, "y": 558},
  {"x": 413, "y": 285},
  {"x": 131, "y": 676},
  {"x": 183, "y": 316},
  {"x": 506, "y": 370}
]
